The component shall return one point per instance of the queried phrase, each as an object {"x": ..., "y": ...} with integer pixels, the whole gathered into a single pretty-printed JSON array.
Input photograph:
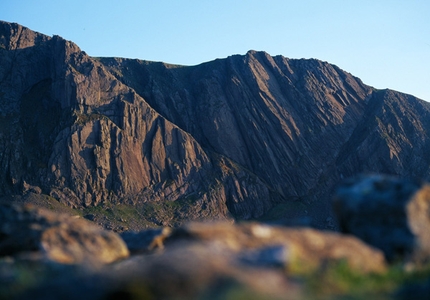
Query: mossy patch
[
  {"x": 125, "y": 217},
  {"x": 337, "y": 280}
]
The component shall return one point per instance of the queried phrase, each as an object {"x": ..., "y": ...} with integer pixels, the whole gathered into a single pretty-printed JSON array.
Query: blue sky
[{"x": 384, "y": 42}]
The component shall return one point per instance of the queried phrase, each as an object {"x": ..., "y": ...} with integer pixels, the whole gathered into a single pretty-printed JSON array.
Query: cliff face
[
  {"x": 285, "y": 120},
  {"x": 72, "y": 130},
  {"x": 300, "y": 125},
  {"x": 238, "y": 136}
]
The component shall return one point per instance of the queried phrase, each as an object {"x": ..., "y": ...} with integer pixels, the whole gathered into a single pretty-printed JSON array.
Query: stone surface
[
  {"x": 305, "y": 248},
  {"x": 208, "y": 260},
  {"x": 418, "y": 218},
  {"x": 58, "y": 237},
  {"x": 387, "y": 212},
  {"x": 193, "y": 270}
]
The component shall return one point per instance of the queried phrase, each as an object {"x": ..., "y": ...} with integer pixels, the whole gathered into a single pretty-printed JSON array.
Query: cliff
[{"x": 250, "y": 136}]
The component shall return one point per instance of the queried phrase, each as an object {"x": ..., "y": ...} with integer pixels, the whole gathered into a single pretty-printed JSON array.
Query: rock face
[
  {"x": 103, "y": 141},
  {"x": 239, "y": 137},
  {"x": 388, "y": 213},
  {"x": 58, "y": 237}
]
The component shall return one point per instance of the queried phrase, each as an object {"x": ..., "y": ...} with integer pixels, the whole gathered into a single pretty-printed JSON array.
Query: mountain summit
[{"x": 249, "y": 136}]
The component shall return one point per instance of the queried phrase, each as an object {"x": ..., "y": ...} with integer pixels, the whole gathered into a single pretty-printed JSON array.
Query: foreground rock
[
  {"x": 58, "y": 237},
  {"x": 297, "y": 249},
  {"x": 215, "y": 261},
  {"x": 256, "y": 244},
  {"x": 389, "y": 213},
  {"x": 44, "y": 255}
]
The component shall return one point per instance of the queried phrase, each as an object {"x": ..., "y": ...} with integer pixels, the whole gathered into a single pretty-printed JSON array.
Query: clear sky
[{"x": 384, "y": 42}]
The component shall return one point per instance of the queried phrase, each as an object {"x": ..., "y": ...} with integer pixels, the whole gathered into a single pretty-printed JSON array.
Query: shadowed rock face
[{"x": 238, "y": 136}]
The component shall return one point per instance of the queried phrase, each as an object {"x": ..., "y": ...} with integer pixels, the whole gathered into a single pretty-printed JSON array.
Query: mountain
[{"x": 249, "y": 136}]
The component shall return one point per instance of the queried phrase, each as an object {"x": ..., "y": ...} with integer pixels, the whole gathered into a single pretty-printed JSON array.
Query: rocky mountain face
[{"x": 250, "y": 136}]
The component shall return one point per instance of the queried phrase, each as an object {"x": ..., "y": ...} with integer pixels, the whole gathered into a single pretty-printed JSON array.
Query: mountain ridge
[{"x": 234, "y": 137}]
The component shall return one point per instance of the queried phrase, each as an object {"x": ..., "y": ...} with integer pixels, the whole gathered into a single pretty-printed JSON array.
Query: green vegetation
[
  {"x": 120, "y": 217},
  {"x": 338, "y": 281}
]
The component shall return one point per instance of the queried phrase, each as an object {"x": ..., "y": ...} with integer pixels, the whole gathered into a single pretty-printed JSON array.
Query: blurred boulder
[
  {"x": 303, "y": 248},
  {"x": 386, "y": 212},
  {"x": 58, "y": 237}
]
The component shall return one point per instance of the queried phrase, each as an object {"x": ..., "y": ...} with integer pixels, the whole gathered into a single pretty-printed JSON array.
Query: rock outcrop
[
  {"x": 388, "y": 213},
  {"x": 27, "y": 230},
  {"x": 260, "y": 244},
  {"x": 66, "y": 257},
  {"x": 201, "y": 259},
  {"x": 244, "y": 137}
]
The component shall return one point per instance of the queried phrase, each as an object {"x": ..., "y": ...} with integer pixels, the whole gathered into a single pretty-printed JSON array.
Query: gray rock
[
  {"x": 272, "y": 256},
  {"x": 387, "y": 212},
  {"x": 260, "y": 244}
]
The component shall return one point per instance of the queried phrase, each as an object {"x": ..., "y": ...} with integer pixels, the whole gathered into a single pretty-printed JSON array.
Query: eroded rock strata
[{"x": 249, "y": 136}]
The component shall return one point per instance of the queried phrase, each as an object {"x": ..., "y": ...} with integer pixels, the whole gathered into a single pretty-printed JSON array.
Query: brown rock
[
  {"x": 387, "y": 212},
  {"x": 209, "y": 258},
  {"x": 418, "y": 214},
  {"x": 188, "y": 270},
  {"x": 304, "y": 248},
  {"x": 58, "y": 237}
]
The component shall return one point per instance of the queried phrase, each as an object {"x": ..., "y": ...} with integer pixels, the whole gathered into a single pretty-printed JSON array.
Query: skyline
[{"x": 385, "y": 43}]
